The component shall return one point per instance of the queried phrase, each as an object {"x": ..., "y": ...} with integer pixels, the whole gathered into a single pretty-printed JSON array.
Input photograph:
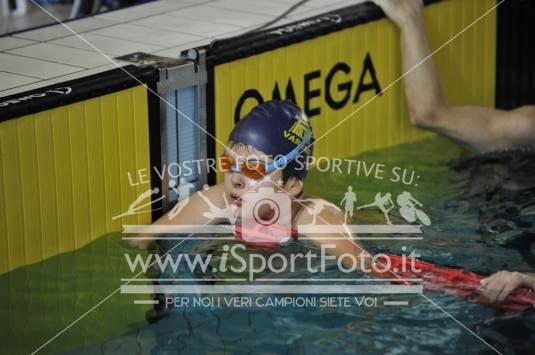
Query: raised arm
[{"x": 477, "y": 128}]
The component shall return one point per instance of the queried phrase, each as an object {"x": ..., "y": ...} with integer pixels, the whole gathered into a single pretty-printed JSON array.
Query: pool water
[
  {"x": 483, "y": 219},
  {"x": 40, "y": 300}
]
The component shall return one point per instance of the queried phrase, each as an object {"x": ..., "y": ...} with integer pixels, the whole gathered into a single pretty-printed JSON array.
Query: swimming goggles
[{"x": 257, "y": 169}]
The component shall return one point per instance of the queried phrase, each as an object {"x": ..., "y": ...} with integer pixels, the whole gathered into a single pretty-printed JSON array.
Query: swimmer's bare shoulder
[{"x": 189, "y": 212}]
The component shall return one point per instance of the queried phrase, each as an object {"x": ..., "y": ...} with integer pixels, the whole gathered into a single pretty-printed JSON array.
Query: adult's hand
[
  {"x": 499, "y": 285},
  {"x": 401, "y": 11}
]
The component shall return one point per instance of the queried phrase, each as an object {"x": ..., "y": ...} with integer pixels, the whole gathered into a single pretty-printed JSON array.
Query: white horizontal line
[
  {"x": 302, "y": 229},
  {"x": 343, "y": 280},
  {"x": 178, "y": 228},
  {"x": 181, "y": 280},
  {"x": 363, "y": 229},
  {"x": 146, "y": 301},
  {"x": 178, "y": 238},
  {"x": 300, "y": 238},
  {"x": 396, "y": 303},
  {"x": 362, "y": 238},
  {"x": 272, "y": 289}
]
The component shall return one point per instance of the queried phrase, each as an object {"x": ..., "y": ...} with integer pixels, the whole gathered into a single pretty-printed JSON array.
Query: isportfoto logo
[
  {"x": 264, "y": 222},
  {"x": 261, "y": 280},
  {"x": 262, "y": 251},
  {"x": 254, "y": 264}
]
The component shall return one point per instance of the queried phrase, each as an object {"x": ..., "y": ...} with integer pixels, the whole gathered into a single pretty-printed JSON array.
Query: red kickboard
[{"x": 457, "y": 282}]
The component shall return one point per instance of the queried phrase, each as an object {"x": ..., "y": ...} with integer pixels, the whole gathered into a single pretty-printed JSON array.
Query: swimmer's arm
[
  {"x": 483, "y": 129},
  {"x": 499, "y": 285},
  {"x": 190, "y": 214},
  {"x": 339, "y": 246},
  {"x": 422, "y": 85},
  {"x": 477, "y": 128}
]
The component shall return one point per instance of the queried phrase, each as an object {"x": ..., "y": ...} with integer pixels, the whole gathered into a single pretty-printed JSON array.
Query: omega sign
[{"x": 351, "y": 88}]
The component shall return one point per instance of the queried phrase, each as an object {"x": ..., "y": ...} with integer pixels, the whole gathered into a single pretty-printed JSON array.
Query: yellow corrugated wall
[
  {"x": 466, "y": 67},
  {"x": 64, "y": 175}
]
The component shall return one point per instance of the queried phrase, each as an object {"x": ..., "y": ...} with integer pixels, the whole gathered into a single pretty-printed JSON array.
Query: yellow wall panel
[
  {"x": 141, "y": 127},
  {"x": 110, "y": 135},
  {"x": 47, "y": 187},
  {"x": 466, "y": 67},
  {"x": 4, "y": 262},
  {"x": 30, "y": 194},
  {"x": 80, "y": 175},
  {"x": 63, "y": 169},
  {"x": 95, "y": 157},
  {"x": 14, "y": 220},
  {"x": 64, "y": 175},
  {"x": 126, "y": 150}
]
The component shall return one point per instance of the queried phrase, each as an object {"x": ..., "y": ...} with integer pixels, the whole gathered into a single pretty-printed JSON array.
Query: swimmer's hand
[
  {"x": 499, "y": 285},
  {"x": 400, "y": 12}
]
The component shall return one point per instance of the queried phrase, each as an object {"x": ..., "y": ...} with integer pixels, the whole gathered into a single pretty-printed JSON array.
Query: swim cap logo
[{"x": 296, "y": 133}]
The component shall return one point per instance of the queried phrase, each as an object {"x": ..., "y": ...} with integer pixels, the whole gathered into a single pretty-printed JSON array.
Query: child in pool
[{"x": 272, "y": 133}]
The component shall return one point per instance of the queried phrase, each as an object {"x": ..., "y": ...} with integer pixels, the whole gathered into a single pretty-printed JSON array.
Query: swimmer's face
[{"x": 237, "y": 184}]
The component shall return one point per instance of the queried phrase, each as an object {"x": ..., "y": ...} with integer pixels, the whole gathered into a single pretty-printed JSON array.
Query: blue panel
[
  {"x": 183, "y": 137},
  {"x": 188, "y": 132},
  {"x": 172, "y": 138}
]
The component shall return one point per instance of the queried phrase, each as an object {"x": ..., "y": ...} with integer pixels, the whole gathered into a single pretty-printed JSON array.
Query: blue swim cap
[{"x": 276, "y": 128}]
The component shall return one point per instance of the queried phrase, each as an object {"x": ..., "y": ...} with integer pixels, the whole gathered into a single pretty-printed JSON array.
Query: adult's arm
[{"x": 477, "y": 128}]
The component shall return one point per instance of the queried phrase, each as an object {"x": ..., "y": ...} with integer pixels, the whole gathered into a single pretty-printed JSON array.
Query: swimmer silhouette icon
[{"x": 408, "y": 209}]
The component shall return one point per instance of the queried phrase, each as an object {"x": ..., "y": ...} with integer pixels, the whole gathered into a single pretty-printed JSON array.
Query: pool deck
[{"x": 53, "y": 54}]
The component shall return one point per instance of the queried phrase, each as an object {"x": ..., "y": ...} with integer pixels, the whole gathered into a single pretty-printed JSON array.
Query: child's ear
[{"x": 293, "y": 186}]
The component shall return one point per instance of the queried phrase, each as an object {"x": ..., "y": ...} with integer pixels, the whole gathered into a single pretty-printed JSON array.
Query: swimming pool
[{"x": 482, "y": 211}]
